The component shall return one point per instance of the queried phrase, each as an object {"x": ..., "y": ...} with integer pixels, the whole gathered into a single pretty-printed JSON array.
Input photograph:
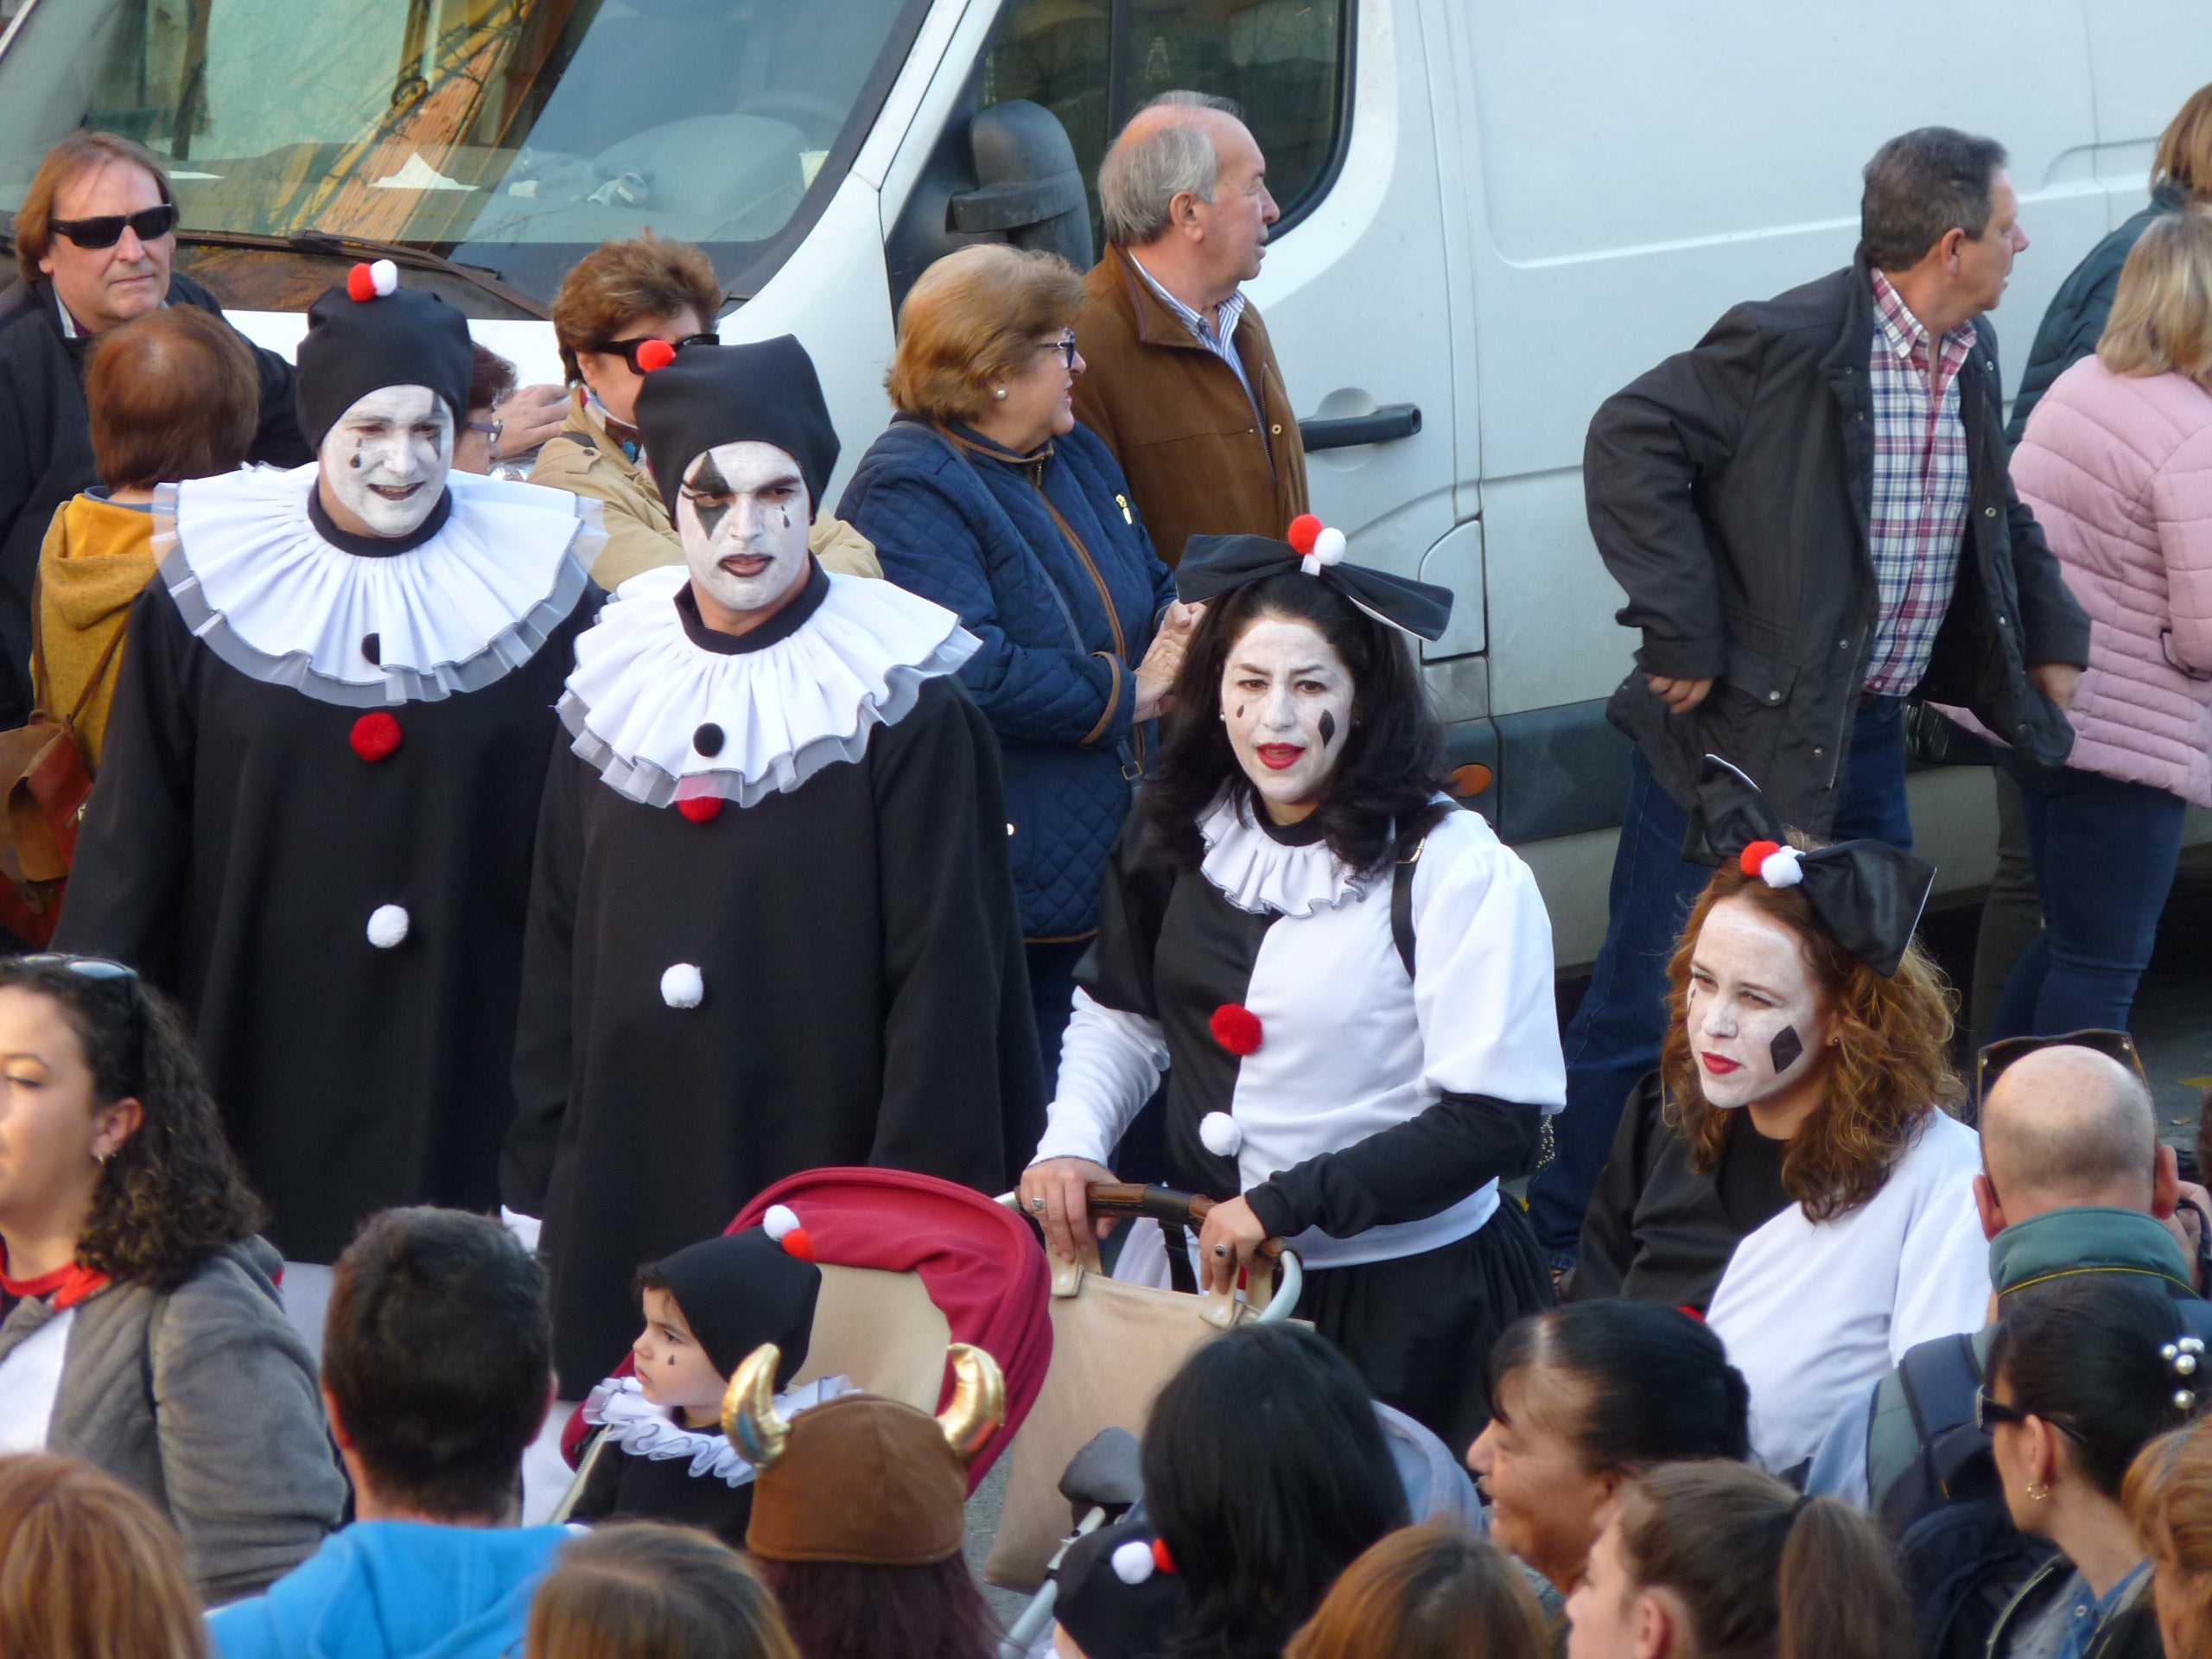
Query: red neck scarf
[{"x": 68, "y": 1285}]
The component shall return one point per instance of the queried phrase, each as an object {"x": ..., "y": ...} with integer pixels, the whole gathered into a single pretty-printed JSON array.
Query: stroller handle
[{"x": 1165, "y": 1205}]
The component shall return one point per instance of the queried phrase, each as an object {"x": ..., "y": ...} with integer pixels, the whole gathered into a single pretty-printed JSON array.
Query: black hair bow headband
[
  {"x": 1213, "y": 565},
  {"x": 1866, "y": 893}
]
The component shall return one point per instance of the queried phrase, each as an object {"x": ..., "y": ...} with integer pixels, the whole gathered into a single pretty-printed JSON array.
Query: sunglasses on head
[
  {"x": 98, "y": 968},
  {"x": 1992, "y": 1061},
  {"x": 628, "y": 349},
  {"x": 150, "y": 225}
]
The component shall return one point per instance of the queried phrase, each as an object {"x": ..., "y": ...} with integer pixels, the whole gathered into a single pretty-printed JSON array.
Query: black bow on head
[
  {"x": 1867, "y": 893},
  {"x": 1218, "y": 564}
]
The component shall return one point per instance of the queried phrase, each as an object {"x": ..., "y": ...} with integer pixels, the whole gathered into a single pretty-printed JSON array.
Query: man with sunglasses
[{"x": 94, "y": 238}]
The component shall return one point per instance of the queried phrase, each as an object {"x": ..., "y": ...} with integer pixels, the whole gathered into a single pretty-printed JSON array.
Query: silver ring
[
  {"x": 1221, "y": 1249},
  {"x": 1037, "y": 1205}
]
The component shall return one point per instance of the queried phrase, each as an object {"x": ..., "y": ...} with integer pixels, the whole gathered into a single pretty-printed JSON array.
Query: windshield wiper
[{"x": 361, "y": 247}]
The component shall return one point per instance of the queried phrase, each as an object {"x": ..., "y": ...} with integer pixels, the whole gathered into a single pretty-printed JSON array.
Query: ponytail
[{"x": 1760, "y": 1571}]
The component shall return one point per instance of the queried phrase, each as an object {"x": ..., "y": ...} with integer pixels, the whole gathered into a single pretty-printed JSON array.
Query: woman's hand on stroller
[
  {"x": 1227, "y": 1243},
  {"x": 1052, "y": 1192}
]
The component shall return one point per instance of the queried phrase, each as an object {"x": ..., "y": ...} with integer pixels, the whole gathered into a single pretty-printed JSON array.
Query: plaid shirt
[
  {"x": 1917, "y": 513},
  {"x": 1218, "y": 337}
]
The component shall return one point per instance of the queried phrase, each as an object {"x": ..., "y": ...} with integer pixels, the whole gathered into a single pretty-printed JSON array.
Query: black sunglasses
[
  {"x": 98, "y": 968},
  {"x": 1992, "y": 1061},
  {"x": 150, "y": 225},
  {"x": 1988, "y": 1412},
  {"x": 627, "y": 350}
]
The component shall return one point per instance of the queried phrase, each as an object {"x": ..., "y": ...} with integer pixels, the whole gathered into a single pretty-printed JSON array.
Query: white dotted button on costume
[
  {"x": 682, "y": 986},
  {"x": 387, "y": 926},
  {"x": 1221, "y": 1134}
]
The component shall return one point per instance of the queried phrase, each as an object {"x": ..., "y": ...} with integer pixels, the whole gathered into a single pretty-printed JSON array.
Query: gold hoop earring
[{"x": 2038, "y": 1491}]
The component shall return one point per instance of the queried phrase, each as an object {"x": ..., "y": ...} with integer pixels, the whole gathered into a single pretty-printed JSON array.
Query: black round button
[
  {"x": 708, "y": 739},
  {"x": 373, "y": 648}
]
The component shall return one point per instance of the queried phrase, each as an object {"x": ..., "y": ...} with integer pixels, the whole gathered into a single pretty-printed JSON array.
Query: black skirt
[{"x": 1420, "y": 1328}]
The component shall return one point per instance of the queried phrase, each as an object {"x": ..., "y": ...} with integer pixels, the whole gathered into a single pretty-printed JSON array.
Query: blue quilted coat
[{"x": 996, "y": 536}]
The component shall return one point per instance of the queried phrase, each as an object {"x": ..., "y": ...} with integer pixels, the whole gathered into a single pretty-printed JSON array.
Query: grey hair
[
  {"x": 1920, "y": 186},
  {"x": 1140, "y": 177}
]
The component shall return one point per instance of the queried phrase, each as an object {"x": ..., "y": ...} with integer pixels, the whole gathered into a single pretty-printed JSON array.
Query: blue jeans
[
  {"x": 2104, "y": 854},
  {"x": 1614, "y": 1037}
]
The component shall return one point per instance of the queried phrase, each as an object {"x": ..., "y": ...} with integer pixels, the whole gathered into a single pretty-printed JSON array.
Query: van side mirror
[{"x": 1028, "y": 191}]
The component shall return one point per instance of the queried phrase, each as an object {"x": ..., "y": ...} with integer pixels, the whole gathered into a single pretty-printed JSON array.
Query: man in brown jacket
[{"x": 1182, "y": 383}]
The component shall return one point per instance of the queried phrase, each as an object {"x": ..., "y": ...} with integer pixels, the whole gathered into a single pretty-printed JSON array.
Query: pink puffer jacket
[{"x": 2119, "y": 471}]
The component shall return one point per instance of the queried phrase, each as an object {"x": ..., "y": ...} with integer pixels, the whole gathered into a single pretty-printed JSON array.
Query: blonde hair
[
  {"x": 973, "y": 317},
  {"x": 88, "y": 1568},
  {"x": 2161, "y": 320},
  {"x": 2184, "y": 157}
]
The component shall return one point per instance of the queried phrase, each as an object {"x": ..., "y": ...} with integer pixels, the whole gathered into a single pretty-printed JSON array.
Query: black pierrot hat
[
  {"x": 368, "y": 333},
  {"x": 741, "y": 1290},
  {"x": 1120, "y": 1596},
  {"x": 764, "y": 392}
]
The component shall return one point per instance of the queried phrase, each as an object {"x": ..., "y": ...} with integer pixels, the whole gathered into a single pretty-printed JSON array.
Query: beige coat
[{"x": 583, "y": 461}]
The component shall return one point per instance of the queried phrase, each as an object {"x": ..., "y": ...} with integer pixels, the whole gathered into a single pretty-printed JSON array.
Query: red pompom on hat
[
  {"x": 701, "y": 809},
  {"x": 1236, "y": 1028},
  {"x": 372, "y": 281},
  {"x": 1302, "y": 531},
  {"x": 1756, "y": 855},
  {"x": 1161, "y": 1558},
  {"x": 375, "y": 736},
  {"x": 655, "y": 354}
]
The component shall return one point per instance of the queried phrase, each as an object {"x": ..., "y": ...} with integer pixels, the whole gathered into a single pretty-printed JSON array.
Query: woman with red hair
[{"x": 1790, "y": 1172}]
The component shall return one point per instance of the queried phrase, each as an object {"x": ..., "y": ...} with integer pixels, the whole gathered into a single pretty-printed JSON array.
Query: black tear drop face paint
[
  {"x": 1328, "y": 729},
  {"x": 707, "y": 480},
  {"x": 1787, "y": 1049}
]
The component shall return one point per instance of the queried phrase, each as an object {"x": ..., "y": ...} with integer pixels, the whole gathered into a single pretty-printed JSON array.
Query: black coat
[
  {"x": 45, "y": 450},
  {"x": 1728, "y": 491},
  {"x": 2075, "y": 321}
]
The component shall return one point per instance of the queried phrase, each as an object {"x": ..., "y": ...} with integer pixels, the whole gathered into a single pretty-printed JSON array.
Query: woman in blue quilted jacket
[{"x": 985, "y": 496}]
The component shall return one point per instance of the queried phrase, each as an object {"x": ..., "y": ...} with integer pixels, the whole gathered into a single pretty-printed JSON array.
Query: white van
[{"x": 1496, "y": 213}]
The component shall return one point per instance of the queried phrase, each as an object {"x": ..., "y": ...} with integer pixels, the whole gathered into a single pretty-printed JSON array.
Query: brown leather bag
[{"x": 43, "y": 772}]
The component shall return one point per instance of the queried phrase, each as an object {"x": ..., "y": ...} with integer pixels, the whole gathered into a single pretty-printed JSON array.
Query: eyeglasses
[
  {"x": 89, "y": 967},
  {"x": 1065, "y": 346},
  {"x": 1988, "y": 1412},
  {"x": 628, "y": 349},
  {"x": 490, "y": 429},
  {"x": 1992, "y": 1063},
  {"x": 150, "y": 225}
]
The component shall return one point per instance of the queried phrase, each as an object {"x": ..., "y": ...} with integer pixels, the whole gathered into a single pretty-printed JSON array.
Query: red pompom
[
  {"x": 1161, "y": 1558},
  {"x": 1757, "y": 854},
  {"x": 1236, "y": 1028},
  {"x": 1303, "y": 528},
  {"x": 798, "y": 1243},
  {"x": 360, "y": 285},
  {"x": 701, "y": 809},
  {"x": 655, "y": 354},
  {"x": 375, "y": 736}
]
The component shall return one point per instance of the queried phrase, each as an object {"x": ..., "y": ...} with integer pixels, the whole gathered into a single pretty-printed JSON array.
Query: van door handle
[{"x": 1391, "y": 422}]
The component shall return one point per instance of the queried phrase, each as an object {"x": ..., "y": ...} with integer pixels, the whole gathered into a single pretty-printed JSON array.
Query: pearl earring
[{"x": 998, "y": 391}]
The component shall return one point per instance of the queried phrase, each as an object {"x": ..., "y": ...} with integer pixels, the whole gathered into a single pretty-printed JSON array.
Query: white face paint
[
  {"x": 742, "y": 517},
  {"x": 1287, "y": 697},
  {"x": 387, "y": 458},
  {"x": 1749, "y": 991}
]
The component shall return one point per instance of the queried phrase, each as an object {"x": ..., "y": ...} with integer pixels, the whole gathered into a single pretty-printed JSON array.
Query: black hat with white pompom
[{"x": 369, "y": 332}]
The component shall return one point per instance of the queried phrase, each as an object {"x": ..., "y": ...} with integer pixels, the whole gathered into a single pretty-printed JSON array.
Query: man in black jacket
[
  {"x": 1812, "y": 518},
  {"x": 83, "y": 273}
]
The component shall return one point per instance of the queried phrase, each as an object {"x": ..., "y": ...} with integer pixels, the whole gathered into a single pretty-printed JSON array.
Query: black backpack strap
[
  {"x": 1938, "y": 1380},
  {"x": 1401, "y": 886}
]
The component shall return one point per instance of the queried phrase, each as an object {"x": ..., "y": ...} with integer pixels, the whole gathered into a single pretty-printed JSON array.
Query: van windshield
[{"x": 510, "y": 135}]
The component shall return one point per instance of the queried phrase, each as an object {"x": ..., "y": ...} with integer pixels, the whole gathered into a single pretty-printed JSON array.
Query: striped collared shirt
[
  {"x": 1219, "y": 337},
  {"x": 1916, "y": 513}
]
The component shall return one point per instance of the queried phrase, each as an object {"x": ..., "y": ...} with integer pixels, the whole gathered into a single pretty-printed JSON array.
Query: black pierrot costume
[
  {"x": 314, "y": 820},
  {"x": 1365, "y": 1113},
  {"x": 772, "y": 925}
]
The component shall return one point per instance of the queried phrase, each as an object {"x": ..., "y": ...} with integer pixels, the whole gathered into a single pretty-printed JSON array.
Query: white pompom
[
  {"x": 1133, "y": 1561},
  {"x": 383, "y": 276},
  {"x": 387, "y": 926},
  {"x": 682, "y": 986},
  {"x": 1221, "y": 1134},
  {"x": 1783, "y": 868},
  {"x": 1329, "y": 545},
  {"x": 780, "y": 1219}
]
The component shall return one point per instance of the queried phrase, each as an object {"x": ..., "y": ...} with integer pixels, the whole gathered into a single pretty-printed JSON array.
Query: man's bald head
[{"x": 2064, "y": 1126}]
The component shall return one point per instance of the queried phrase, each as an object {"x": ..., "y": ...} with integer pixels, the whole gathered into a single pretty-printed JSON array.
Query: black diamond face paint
[
  {"x": 707, "y": 480},
  {"x": 1787, "y": 1048},
  {"x": 1328, "y": 729}
]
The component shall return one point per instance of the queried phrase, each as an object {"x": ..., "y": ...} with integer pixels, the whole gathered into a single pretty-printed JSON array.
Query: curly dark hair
[
  {"x": 1891, "y": 1067},
  {"x": 173, "y": 1194},
  {"x": 1392, "y": 758}
]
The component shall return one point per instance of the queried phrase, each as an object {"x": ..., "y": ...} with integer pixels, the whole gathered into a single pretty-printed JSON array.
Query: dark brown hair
[
  {"x": 1889, "y": 1068},
  {"x": 840, "y": 1610},
  {"x": 174, "y": 394},
  {"x": 637, "y": 1588},
  {"x": 81, "y": 151},
  {"x": 490, "y": 380},
  {"x": 1763, "y": 1573},
  {"x": 973, "y": 318},
  {"x": 2168, "y": 1497},
  {"x": 172, "y": 1195},
  {"x": 1430, "y": 1592},
  {"x": 2184, "y": 156},
  {"x": 88, "y": 1569},
  {"x": 619, "y": 283}
]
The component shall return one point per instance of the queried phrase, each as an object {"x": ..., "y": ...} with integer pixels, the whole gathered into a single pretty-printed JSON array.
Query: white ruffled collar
[
  {"x": 268, "y": 593},
  {"x": 644, "y": 1430},
  {"x": 644, "y": 696},
  {"x": 1257, "y": 873}
]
